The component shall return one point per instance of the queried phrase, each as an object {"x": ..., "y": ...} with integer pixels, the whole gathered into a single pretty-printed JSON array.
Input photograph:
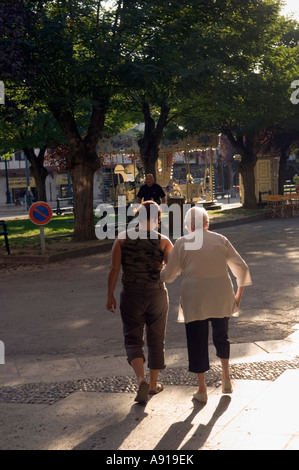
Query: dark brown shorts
[{"x": 144, "y": 308}]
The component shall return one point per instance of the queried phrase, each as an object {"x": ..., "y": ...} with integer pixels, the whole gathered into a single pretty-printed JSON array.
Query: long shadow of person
[
  {"x": 178, "y": 431},
  {"x": 112, "y": 436}
]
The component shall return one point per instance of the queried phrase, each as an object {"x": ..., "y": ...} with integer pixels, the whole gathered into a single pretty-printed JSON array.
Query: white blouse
[{"x": 207, "y": 288}]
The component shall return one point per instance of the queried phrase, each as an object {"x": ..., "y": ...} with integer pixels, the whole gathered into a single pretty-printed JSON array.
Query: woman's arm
[
  {"x": 240, "y": 270},
  {"x": 172, "y": 269},
  {"x": 238, "y": 266},
  {"x": 166, "y": 246},
  {"x": 113, "y": 275},
  {"x": 238, "y": 295}
]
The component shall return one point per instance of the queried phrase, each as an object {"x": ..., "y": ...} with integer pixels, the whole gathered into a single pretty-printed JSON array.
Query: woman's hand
[
  {"x": 238, "y": 296},
  {"x": 111, "y": 304},
  {"x": 238, "y": 301}
]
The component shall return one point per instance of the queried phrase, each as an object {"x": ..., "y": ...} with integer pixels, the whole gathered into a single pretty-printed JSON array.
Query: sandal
[
  {"x": 201, "y": 397},
  {"x": 227, "y": 386},
  {"x": 158, "y": 390},
  {"x": 142, "y": 394}
]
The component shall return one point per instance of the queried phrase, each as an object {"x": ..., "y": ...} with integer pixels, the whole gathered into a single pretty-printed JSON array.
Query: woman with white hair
[{"x": 207, "y": 293}]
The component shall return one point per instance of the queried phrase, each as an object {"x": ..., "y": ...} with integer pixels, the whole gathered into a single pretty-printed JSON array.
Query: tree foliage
[
  {"x": 67, "y": 57},
  {"x": 251, "y": 91},
  {"x": 220, "y": 65}
]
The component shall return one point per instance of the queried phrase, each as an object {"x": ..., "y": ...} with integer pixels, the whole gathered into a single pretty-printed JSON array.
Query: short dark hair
[{"x": 152, "y": 210}]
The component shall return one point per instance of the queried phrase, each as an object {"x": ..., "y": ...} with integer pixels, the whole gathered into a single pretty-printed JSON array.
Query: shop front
[
  {"x": 18, "y": 189},
  {"x": 63, "y": 185}
]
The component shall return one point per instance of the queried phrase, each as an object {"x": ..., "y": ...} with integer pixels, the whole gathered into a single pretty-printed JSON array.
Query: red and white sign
[{"x": 40, "y": 213}]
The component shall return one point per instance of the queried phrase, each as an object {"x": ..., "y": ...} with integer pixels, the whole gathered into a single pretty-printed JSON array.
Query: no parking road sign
[{"x": 40, "y": 213}]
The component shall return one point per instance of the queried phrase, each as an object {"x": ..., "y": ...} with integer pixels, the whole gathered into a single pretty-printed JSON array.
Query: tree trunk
[
  {"x": 285, "y": 145},
  {"x": 247, "y": 173},
  {"x": 40, "y": 180},
  {"x": 82, "y": 162},
  {"x": 149, "y": 154},
  {"x": 149, "y": 144},
  {"x": 38, "y": 171},
  {"x": 282, "y": 170},
  {"x": 82, "y": 180},
  {"x": 247, "y": 147},
  {"x": 82, "y": 165}
]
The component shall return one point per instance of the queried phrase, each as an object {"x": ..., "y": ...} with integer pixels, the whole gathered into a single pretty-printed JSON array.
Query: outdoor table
[
  {"x": 286, "y": 205},
  {"x": 294, "y": 204},
  {"x": 275, "y": 205}
]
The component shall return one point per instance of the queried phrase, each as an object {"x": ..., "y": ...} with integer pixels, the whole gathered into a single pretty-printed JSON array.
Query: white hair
[{"x": 196, "y": 218}]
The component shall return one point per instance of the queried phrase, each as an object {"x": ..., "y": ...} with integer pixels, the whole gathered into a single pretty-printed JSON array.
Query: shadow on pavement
[{"x": 177, "y": 432}]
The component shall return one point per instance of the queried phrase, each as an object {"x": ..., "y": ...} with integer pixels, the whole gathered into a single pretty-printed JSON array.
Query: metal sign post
[
  {"x": 40, "y": 213},
  {"x": 42, "y": 240}
]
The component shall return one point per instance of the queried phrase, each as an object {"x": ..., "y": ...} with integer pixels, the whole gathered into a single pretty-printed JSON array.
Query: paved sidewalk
[
  {"x": 62, "y": 389},
  {"x": 68, "y": 403}
]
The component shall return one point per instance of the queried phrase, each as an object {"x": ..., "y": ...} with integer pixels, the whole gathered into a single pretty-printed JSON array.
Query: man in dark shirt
[{"x": 151, "y": 191}]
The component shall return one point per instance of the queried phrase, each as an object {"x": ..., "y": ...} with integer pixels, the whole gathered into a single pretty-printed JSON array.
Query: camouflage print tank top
[{"x": 141, "y": 260}]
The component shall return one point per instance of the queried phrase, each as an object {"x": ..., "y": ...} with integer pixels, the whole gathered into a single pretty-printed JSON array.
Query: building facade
[{"x": 15, "y": 178}]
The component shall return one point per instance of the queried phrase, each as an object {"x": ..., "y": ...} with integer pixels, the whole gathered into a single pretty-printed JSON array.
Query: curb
[
  {"x": 46, "y": 259},
  {"x": 231, "y": 223},
  {"x": 92, "y": 250}
]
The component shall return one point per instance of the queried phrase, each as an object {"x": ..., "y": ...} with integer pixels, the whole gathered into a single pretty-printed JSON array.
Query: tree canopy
[{"x": 204, "y": 65}]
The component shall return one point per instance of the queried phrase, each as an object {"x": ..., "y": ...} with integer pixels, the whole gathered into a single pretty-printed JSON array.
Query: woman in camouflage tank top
[{"x": 141, "y": 252}]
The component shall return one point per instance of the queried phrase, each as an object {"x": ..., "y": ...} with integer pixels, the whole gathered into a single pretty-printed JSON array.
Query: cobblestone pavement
[{"x": 37, "y": 393}]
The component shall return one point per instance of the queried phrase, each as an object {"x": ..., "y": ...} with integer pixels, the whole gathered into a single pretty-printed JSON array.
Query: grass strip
[{"x": 22, "y": 232}]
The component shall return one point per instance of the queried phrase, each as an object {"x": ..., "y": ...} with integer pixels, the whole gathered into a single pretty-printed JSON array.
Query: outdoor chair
[{"x": 275, "y": 206}]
